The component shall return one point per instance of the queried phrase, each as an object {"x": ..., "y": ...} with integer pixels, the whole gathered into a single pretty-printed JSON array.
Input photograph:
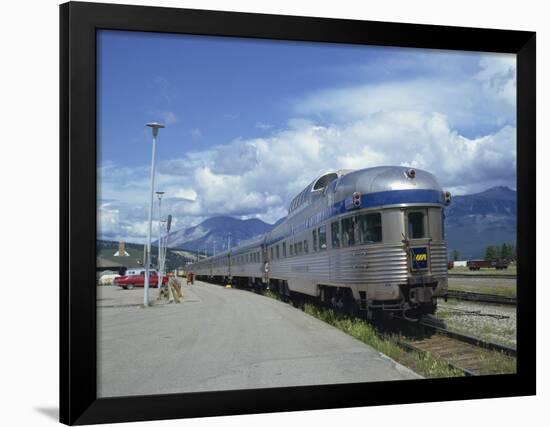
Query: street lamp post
[
  {"x": 155, "y": 128},
  {"x": 160, "y": 271}
]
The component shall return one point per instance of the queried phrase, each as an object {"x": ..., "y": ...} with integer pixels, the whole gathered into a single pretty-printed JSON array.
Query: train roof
[
  {"x": 368, "y": 180},
  {"x": 316, "y": 186}
]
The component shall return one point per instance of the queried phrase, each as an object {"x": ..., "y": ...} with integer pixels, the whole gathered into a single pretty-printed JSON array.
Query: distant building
[
  {"x": 121, "y": 250},
  {"x": 119, "y": 260}
]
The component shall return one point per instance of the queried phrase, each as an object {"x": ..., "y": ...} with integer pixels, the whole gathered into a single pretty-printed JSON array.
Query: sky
[{"x": 250, "y": 123}]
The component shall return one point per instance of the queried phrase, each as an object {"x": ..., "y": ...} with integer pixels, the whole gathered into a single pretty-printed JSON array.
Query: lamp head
[{"x": 155, "y": 126}]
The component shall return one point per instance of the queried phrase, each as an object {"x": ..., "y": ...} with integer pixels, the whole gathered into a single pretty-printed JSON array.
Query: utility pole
[
  {"x": 229, "y": 254},
  {"x": 160, "y": 271}
]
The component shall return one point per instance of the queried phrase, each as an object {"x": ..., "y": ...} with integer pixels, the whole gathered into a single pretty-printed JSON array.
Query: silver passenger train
[{"x": 368, "y": 241}]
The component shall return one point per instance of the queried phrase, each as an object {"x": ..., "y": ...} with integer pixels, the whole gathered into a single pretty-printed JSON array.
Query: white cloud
[
  {"x": 463, "y": 99},
  {"x": 263, "y": 126}
]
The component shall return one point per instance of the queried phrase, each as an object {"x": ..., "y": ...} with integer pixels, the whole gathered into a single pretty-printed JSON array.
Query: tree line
[{"x": 505, "y": 251}]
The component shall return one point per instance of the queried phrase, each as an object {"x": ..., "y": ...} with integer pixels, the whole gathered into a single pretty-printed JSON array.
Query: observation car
[{"x": 367, "y": 242}]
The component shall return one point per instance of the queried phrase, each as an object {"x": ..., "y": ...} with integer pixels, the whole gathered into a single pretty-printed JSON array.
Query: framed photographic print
[{"x": 267, "y": 213}]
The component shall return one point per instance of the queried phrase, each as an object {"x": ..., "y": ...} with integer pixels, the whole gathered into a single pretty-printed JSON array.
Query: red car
[{"x": 131, "y": 281}]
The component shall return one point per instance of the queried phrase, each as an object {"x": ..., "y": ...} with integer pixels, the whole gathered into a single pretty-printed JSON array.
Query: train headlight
[
  {"x": 357, "y": 199},
  {"x": 411, "y": 173},
  {"x": 447, "y": 197}
]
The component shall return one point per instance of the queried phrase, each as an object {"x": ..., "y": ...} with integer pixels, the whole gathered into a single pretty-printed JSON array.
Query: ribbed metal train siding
[
  {"x": 376, "y": 264},
  {"x": 349, "y": 266},
  {"x": 372, "y": 264},
  {"x": 438, "y": 259},
  {"x": 313, "y": 266}
]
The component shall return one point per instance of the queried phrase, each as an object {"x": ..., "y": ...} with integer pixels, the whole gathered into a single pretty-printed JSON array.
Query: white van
[{"x": 140, "y": 272}]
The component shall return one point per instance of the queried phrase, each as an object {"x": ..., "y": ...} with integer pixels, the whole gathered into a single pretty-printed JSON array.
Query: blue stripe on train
[
  {"x": 387, "y": 198},
  {"x": 395, "y": 197},
  {"x": 371, "y": 200}
]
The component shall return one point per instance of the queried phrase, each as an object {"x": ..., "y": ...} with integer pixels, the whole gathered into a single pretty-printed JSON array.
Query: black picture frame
[{"x": 78, "y": 25}]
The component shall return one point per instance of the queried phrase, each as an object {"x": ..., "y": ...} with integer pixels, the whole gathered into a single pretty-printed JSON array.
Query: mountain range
[
  {"x": 476, "y": 221},
  {"x": 213, "y": 234},
  {"x": 472, "y": 223}
]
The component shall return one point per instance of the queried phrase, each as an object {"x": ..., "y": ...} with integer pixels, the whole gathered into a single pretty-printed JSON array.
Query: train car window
[
  {"x": 296, "y": 249},
  {"x": 416, "y": 225},
  {"x": 322, "y": 237},
  {"x": 306, "y": 250},
  {"x": 271, "y": 252},
  {"x": 323, "y": 181},
  {"x": 284, "y": 249},
  {"x": 314, "y": 234},
  {"x": 348, "y": 231},
  {"x": 335, "y": 233},
  {"x": 370, "y": 228},
  {"x": 291, "y": 249},
  {"x": 277, "y": 251},
  {"x": 300, "y": 248}
]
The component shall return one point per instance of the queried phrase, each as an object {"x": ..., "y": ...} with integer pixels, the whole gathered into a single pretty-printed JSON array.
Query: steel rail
[
  {"x": 482, "y": 297},
  {"x": 489, "y": 345}
]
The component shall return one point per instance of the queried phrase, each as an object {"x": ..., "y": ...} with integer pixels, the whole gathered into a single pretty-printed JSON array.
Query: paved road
[{"x": 222, "y": 339}]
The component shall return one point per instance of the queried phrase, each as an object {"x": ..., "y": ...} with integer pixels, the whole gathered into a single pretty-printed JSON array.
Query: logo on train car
[{"x": 419, "y": 258}]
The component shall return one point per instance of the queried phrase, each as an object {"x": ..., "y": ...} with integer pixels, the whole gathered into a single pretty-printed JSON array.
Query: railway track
[
  {"x": 482, "y": 297},
  {"x": 465, "y": 353}
]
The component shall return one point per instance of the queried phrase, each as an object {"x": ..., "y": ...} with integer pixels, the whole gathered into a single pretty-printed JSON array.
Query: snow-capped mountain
[
  {"x": 214, "y": 232},
  {"x": 476, "y": 221}
]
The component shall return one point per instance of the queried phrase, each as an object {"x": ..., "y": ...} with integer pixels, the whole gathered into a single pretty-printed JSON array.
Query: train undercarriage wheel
[
  {"x": 340, "y": 300},
  {"x": 284, "y": 292}
]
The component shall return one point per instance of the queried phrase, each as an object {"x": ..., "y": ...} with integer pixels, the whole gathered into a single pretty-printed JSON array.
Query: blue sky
[{"x": 250, "y": 122}]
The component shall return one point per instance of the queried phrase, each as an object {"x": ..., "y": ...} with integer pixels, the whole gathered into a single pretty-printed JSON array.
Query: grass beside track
[{"x": 422, "y": 363}]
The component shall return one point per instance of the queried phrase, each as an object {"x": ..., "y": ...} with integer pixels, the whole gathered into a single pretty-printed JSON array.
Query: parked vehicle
[
  {"x": 500, "y": 264},
  {"x": 136, "y": 278}
]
